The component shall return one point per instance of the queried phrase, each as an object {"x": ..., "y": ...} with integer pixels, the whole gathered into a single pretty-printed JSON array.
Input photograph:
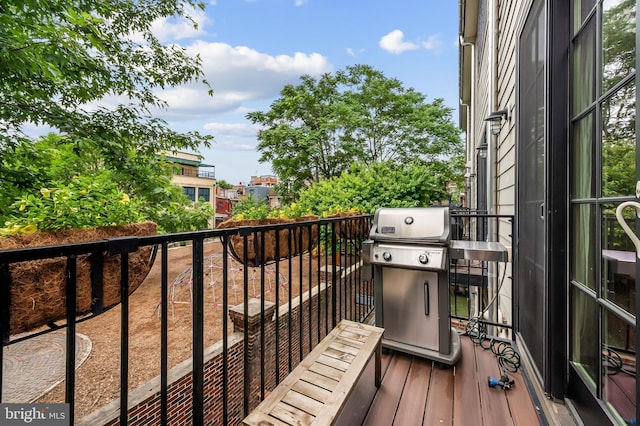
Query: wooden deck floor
[{"x": 415, "y": 391}]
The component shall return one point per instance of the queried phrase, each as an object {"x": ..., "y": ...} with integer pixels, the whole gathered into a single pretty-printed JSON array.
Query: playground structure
[{"x": 180, "y": 291}]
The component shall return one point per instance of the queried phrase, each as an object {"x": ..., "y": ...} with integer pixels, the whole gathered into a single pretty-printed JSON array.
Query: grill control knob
[
  {"x": 423, "y": 258},
  {"x": 386, "y": 256}
]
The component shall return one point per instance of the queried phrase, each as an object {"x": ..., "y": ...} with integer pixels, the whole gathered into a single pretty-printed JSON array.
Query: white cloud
[
  {"x": 300, "y": 2},
  {"x": 232, "y": 129},
  {"x": 244, "y": 110},
  {"x": 353, "y": 53},
  {"x": 233, "y": 146},
  {"x": 240, "y": 73},
  {"x": 171, "y": 29},
  {"x": 394, "y": 43},
  {"x": 241, "y": 79},
  {"x": 233, "y": 136},
  {"x": 432, "y": 43}
]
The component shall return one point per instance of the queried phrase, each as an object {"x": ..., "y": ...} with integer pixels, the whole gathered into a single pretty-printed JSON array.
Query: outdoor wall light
[
  {"x": 495, "y": 120},
  {"x": 482, "y": 149}
]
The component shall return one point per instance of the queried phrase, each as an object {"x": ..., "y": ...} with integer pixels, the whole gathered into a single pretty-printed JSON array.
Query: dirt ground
[{"x": 98, "y": 378}]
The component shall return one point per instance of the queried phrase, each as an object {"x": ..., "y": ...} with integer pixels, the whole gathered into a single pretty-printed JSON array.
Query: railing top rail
[
  {"x": 70, "y": 249},
  {"x": 481, "y": 215}
]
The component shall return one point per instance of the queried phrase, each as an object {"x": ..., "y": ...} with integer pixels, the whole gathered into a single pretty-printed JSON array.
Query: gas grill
[{"x": 410, "y": 249}]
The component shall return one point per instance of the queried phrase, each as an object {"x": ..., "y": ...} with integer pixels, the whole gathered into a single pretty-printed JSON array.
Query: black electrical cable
[
  {"x": 614, "y": 363},
  {"x": 476, "y": 329},
  {"x": 508, "y": 358}
]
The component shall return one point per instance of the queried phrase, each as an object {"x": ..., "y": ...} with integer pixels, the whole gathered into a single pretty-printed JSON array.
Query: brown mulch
[{"x": 98, "y": 379}]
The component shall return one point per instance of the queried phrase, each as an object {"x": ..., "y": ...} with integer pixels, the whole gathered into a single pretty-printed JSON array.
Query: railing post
[
  {"x": 5, "y": 312},
  {"x": 5, "y": 309},
  {"x": 122, "y": 246},
  {"x": 256, "y": 360},
  {"x": 334, "y": 281}
]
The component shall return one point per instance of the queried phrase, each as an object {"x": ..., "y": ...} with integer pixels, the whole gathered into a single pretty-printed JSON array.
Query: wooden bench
[{"x": 317, "y": 391}]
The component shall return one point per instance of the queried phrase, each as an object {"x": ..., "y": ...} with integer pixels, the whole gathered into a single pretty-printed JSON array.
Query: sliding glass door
[{"x": 603, "y": 172}]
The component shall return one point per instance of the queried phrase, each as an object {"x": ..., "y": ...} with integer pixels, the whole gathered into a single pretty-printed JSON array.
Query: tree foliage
[
  {"x": 60, "y": 59},
  {"x": 75, "y": 189},
  {"x": 365, "y": 188},
  {"x": 60, "y": 56},
  {"x": 317, "y": 129},
  {"x": 224, "y": 184},
  {"x": 619, "y": 111},
  {"x": 251, "y": 207}
]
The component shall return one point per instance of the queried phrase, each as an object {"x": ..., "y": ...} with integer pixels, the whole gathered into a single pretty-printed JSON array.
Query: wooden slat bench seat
[{"x": 317, "y": 391}]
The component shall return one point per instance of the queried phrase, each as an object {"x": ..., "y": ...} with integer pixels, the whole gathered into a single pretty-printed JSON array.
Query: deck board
[
  {"x": 385, "y": 403},
  {"x": 413, "y": 390},
  {"x": 414, "y": 393},
  {"x": 439, "y": 410},
  {"x": 493, "y": 401},
  {"x": 466, "y": 393}
]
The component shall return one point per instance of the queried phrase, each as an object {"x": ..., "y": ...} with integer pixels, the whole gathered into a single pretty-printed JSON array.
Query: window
[
  {"x": 203, "y": 194},
  {"x": 603, "y": 163},
  {"x": 190, "y": 192}
]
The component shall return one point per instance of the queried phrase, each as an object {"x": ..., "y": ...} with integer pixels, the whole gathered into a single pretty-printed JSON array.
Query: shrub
[
  {"x": 366, "y": 188},
  {"x": 83, "y": 202}
]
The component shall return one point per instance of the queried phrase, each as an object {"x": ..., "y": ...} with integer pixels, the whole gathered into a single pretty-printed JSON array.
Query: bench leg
[{"x": 378, "y": 362}]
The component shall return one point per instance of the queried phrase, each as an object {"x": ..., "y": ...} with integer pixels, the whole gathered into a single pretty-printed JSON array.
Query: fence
[
  {"x": 223, "y": 381},
  {"x": 266, "y": 330}
]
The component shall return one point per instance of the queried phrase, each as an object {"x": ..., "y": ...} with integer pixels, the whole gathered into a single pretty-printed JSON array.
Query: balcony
[
  {"x": 197, "y": 174},
  {"x": 277, "y": 291}
]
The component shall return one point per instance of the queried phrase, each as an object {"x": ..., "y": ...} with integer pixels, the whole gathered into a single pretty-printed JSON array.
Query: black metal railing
[
  {"x": 322, "y": 282},
  {"x": 320, "y": 258},
  {"x": 197, "y": 173},
  {"x": 482, "y": 290}
]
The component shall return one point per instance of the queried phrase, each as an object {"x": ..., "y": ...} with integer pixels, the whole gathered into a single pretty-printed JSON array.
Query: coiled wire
[{"x": 508, "y": 358}]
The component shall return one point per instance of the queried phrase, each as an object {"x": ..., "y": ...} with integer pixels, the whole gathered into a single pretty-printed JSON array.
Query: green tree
[
  {"x": 390, "y": 123},
  {"x": 60, "y": 57},
  {"x": 367, "y": 187},
  {"x": 224, "y": 184},
  {"x": 250, "y": 207},
  {"x": 78, "y": 183},
  {"x": 302, "y": 134},
  {"x": 317, "y": 129},
  {"x": 619, "y": 111}
]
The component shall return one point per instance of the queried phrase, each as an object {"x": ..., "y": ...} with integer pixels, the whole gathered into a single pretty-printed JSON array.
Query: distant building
[
  {"x": 264, "y": 180},
  {"x": 231, "y": 194},
  {"x": 225, "y": 200},
  {"x": 196, "y": 183},
  {"x": 224, "y": 209},
  {"x": 258, "y": 192},
  {"x": 241, "y": 190},
  {"x": 261, "y": 188}
]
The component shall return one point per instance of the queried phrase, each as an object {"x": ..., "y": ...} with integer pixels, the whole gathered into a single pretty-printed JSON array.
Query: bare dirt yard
[{"x": 98, "y": 378}]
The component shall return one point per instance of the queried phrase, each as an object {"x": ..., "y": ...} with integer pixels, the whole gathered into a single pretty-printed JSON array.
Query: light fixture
[
  {"x": 495, "y": 120},
  {"x": 482, "y": 149}
]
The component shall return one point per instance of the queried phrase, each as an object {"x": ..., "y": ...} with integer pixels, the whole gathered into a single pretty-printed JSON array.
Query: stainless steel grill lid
[{"x": 412, "y": 225}]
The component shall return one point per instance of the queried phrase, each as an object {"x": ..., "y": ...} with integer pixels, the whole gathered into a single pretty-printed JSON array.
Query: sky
[{"x": 251, "y": 49}]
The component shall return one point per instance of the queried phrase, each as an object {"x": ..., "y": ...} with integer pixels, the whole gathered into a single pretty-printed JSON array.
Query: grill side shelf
[{"x": 478, "y": 250}]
